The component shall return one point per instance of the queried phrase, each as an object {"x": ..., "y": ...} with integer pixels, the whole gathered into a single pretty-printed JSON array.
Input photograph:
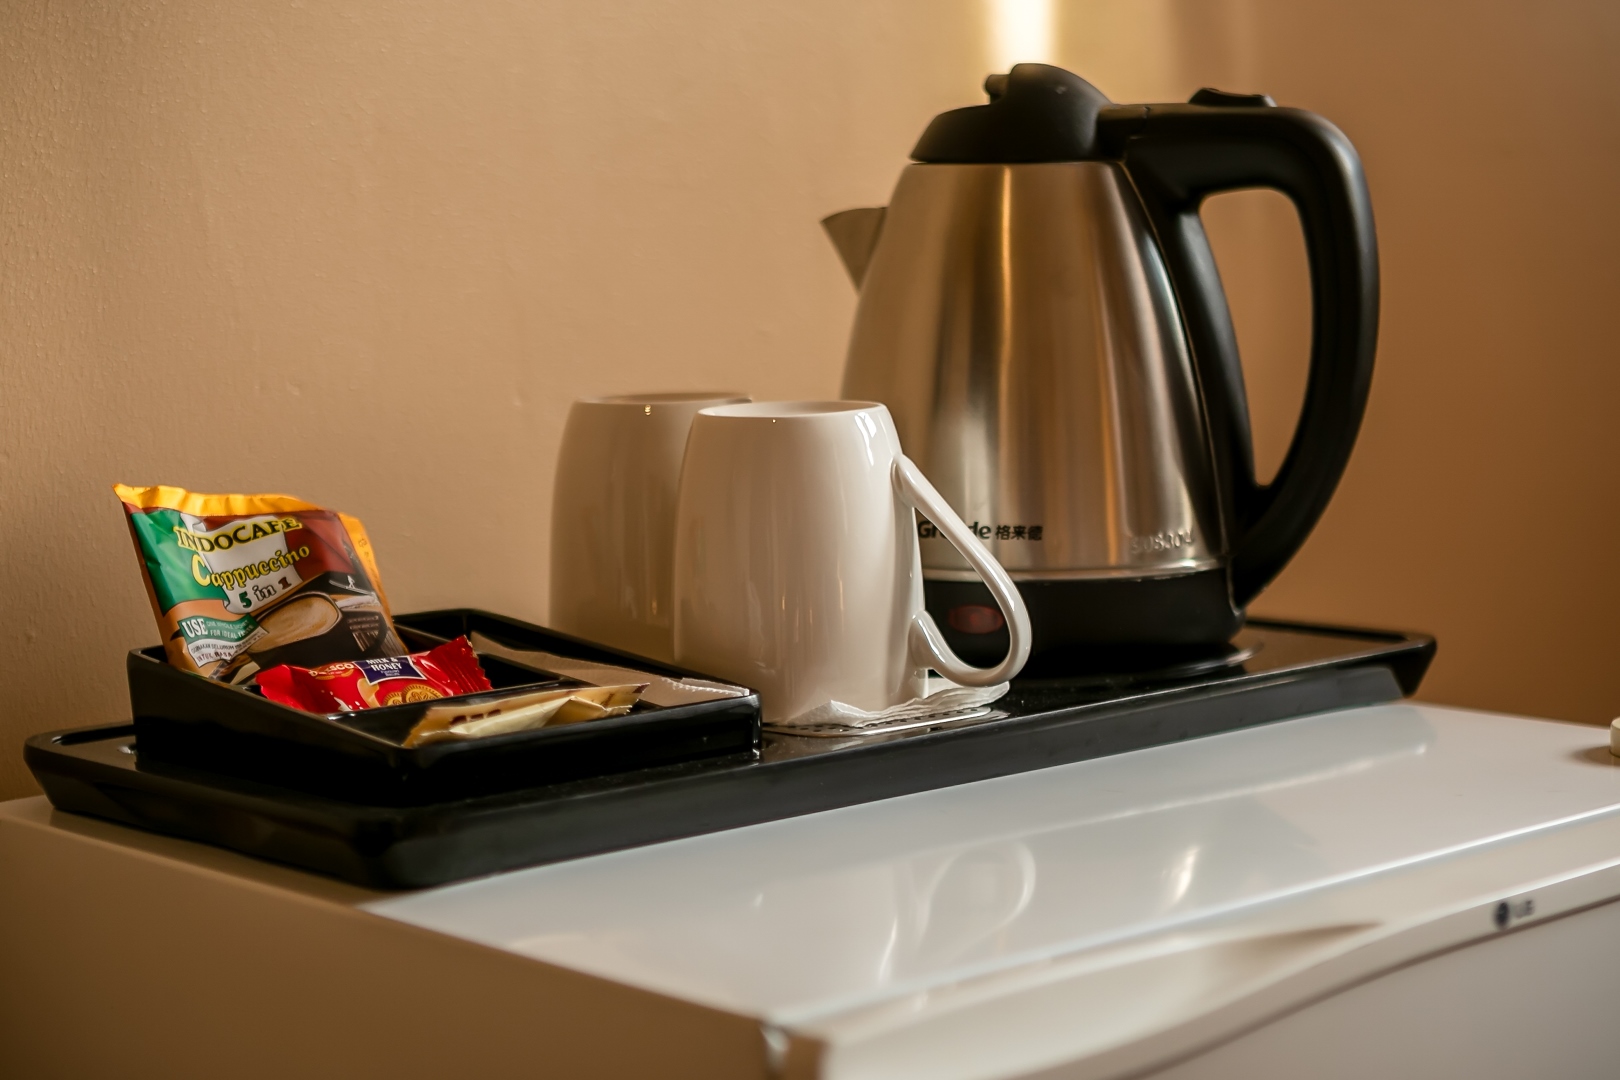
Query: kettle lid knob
[
  {"x": 1037, "y": 112},
  {"x": 1225, "y": 99}
]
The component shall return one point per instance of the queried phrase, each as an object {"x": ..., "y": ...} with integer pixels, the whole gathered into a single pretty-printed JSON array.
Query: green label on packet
[
  {"x": 168, "y": 565},
  {"x": 247, "y": 562},
  {"x": 210, "y": 639}
]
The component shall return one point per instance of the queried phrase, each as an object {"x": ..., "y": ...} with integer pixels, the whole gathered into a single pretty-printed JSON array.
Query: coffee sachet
[{"x": 241, "y": 583}]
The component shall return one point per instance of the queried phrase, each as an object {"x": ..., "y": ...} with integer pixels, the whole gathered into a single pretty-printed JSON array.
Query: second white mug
[
  {"x": 796, "y": 566},
  {"x": 613, "y": 517}
]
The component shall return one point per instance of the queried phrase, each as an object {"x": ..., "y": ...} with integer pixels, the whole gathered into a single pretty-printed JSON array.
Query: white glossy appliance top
[{"x": 888, "y": 905}]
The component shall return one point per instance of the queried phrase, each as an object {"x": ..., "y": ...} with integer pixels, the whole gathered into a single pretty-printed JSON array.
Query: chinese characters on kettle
[{"x": 927, "y": 531}]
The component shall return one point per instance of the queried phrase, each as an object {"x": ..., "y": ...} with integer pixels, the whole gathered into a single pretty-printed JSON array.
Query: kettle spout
[{"x": 855, "y": 234}]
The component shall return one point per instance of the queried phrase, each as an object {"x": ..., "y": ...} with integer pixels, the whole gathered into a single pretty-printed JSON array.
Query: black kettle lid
[{"x": 1036, "y": 113}]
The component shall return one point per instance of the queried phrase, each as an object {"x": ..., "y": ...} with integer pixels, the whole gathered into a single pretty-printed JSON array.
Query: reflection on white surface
[
  {"x": 1181, "y": 875},
  {"x": 805, "y": 917}
]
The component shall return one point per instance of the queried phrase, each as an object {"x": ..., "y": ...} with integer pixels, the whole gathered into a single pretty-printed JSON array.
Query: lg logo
[{"x": 1507, "y": 912}]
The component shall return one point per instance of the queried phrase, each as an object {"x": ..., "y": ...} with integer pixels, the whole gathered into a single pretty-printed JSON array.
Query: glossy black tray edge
[
  {"x": 226, "y": 729},
  {"x": 1407, "y": 653},
  {"x": 90, "y": 771}
]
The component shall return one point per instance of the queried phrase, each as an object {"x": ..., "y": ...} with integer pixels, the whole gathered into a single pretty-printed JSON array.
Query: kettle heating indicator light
[{"x": 975, "y": 619}]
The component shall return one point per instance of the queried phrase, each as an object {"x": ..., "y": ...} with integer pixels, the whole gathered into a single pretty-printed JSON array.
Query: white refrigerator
[{"x": 1400, "y": 890}]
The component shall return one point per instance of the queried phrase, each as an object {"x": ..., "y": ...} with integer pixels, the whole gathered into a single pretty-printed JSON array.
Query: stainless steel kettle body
[{"x": 1041, "y": 314}]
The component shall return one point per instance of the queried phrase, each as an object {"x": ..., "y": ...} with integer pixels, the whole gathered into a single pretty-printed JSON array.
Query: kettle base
[
  {"x": 1115, "y": 666},
  {"x": 1098, "y": 625}
]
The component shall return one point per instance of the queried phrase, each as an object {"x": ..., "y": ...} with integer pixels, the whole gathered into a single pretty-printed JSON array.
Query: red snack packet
[{"x": 350, "y": 685}]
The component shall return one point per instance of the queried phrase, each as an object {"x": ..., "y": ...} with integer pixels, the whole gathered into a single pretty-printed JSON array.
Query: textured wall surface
[{"x": 367, "y": 252}]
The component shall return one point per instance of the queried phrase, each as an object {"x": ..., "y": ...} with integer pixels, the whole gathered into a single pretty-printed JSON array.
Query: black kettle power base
[
  {"x": 1097, "y": 626},
  {"x": 1277, "y": 671}
]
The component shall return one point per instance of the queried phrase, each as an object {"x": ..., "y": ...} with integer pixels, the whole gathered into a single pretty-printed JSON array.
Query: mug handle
[{"x": 926, "y": 643}]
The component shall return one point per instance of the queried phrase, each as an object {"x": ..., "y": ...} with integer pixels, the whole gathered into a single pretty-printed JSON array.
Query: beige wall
[
  {"x": 366, "y": 252},
  {"x": 1483, "y": 493}
]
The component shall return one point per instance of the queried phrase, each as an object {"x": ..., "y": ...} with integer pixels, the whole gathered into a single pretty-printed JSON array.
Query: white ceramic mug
[
  {"x": 613, "y": 517},
  {"x": 796, "y": 565}
]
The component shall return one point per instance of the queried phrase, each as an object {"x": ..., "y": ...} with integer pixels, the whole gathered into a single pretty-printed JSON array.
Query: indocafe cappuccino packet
[{"x": 241, "y": 583}]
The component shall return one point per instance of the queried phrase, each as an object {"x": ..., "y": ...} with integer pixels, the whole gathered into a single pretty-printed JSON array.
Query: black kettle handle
[{"x": 1177, "y": 155}]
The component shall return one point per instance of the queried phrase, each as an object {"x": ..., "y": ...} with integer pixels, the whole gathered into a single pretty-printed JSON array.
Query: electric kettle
[{"x": 1040, "y": 311}]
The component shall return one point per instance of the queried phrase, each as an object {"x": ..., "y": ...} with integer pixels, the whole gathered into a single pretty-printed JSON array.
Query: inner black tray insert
[{"x": 359, "y": 757}]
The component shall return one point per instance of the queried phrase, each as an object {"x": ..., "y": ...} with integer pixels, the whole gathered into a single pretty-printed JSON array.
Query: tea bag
[
  {"x": 661, "y": 689},
  {"x": 523, "y": 712}
]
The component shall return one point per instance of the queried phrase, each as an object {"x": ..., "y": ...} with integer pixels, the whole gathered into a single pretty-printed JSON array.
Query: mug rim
[
  {"x": 789, "y": 410},
  {"x": 673, "y": 397}
]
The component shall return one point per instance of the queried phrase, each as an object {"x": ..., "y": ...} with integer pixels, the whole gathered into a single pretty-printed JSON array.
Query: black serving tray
[
  {"x": 360, "y": 757},
  {"x": 1288, "y": 670}
]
